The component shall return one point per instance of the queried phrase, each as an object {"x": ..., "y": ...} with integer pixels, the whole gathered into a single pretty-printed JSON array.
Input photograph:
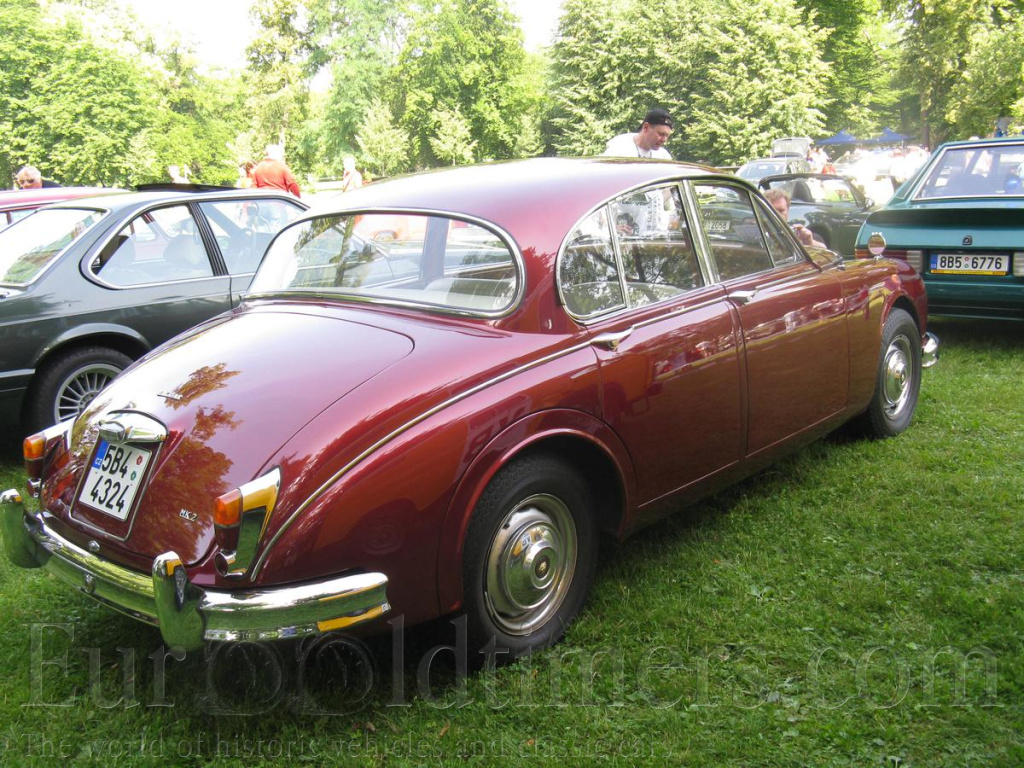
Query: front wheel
[
  {"x": 898, "y": 381},
  {"x": 69, "y": 382},
  {"x": 530, "y": 555}
]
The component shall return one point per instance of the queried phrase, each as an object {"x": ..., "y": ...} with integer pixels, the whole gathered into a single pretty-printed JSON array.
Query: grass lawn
[{"x": 861, "y": 603}]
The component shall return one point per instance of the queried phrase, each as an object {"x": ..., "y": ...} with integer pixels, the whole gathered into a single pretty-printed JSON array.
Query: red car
[
  {"x": 420, "y": 427},
  {"x": 20, "y": 203}
]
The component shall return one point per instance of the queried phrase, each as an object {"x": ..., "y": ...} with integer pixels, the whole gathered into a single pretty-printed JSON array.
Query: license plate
[
  {"x": 114, "y": 478},
  {"x": 717, "y": 225},
  {"x": 970, "y": 264}
]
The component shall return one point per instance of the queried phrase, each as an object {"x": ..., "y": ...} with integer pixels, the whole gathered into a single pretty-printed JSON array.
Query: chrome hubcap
[
  {"x": 530, "y": 564},
  {"x": 78, "y": 389},
  {"x": 898, "y": 376}
]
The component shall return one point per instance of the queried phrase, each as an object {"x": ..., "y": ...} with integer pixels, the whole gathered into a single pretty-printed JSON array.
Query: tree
[
  {"x": 464, "y": 57},
  {"x": 762, "y": 78},
  {"x": 734, "y": 75},
  {"x": 278, "y": 91},
  {"x": 385, "y": 145},
  {"x": 452, "y": 142}
]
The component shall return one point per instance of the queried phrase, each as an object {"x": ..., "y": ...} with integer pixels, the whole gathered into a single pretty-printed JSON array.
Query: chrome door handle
[
  {"x": 611, "y": 341},
  {"x": 744, "y": 297}
]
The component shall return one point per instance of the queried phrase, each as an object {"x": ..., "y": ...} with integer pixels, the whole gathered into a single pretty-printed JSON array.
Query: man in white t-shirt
[{"x": 649, "y": 142}]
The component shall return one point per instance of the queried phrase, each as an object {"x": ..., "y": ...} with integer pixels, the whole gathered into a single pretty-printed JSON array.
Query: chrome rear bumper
[
  {"x": 186, "y": 614},
  {"x": 929, "y": 350}
]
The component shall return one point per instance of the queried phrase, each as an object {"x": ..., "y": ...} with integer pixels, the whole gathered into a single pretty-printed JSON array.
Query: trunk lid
[{"x": 229, "y": 395}]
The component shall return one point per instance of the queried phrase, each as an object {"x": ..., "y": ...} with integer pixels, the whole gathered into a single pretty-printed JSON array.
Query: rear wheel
[
  {"x": 898, "y": 381},
  {"x": 69, "y": 382},
  {"x": 530, "y": 555}
]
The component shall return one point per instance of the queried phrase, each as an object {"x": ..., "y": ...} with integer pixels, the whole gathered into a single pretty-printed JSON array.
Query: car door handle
[
  {"x": 611, "y": 341},
  {"x": 744, "y": 297}
]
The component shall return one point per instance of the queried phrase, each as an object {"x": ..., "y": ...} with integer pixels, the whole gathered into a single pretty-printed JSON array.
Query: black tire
[
  {"x": 523, "y": 599},
  {"x": 67, "y": 384},
  {"x": 898, "y": 381}
]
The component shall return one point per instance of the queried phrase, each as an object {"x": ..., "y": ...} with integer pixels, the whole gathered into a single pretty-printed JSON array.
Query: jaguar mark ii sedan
[
  {"x": 443, "y": 418},
  {"x": 959, "y": 222}
]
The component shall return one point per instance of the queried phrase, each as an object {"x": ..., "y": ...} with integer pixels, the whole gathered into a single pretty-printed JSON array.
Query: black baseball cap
[{"x": 659, "y": 117}]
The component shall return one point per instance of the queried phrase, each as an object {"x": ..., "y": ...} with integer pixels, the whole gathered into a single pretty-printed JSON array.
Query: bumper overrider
[
  {"x": 187, "y": 614},
  {"x": 929, "y": 350}
]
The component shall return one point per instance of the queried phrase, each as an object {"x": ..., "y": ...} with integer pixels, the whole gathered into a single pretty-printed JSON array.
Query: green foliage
[
  {"x": 734, "y": 75},
  {"x": 464, "y": 57},
  {"x": 451, "y": 141},
  {"x": 385, "y": 146}
]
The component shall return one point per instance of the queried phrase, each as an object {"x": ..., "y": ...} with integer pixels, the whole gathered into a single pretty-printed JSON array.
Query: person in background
[
  {"x": 351, "y": 179},
  {"x": 649, "y": 141},
  {"x": 245, "y": 175},
  {"x": 177, "y": 177},
  {"x": 272, "y": 172},
  {"x": 29, "y": 177},
  {"x": 779, "y": 200}
]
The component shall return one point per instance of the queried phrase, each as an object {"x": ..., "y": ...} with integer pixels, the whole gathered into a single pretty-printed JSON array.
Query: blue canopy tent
[
  {"x": 889, "y": 136},
  {"x": 843, "y": 137}
]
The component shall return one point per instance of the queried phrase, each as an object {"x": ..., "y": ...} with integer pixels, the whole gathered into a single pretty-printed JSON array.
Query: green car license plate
[
  {"x": 970, "y": 263},
  {"x": 114, "y": 478}
]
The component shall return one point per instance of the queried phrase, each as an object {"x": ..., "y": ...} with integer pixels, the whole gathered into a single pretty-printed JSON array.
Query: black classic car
[
  {"x": 830, "y": 206},
  {"x": 87, "y": 286}
]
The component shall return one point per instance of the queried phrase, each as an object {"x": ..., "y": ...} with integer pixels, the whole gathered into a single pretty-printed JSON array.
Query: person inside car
[{"x": 779, "y": 200}]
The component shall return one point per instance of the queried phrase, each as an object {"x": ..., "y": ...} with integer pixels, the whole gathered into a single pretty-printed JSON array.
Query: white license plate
[
  {"x": 970, "y": 264},
  {"x": 114, "y": 478},
  {"x": 717, "y": 225}
]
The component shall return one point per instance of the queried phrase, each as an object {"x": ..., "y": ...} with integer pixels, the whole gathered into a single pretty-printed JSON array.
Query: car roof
[
  {"x": 122, "y": 200},
  {"x": 21, "y": 198},
  {"x": 504, "y": 193},
  {"x": 976, "y": 142}
]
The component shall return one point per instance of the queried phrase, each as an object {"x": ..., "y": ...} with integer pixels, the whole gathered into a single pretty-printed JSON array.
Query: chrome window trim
[
  {"x": 664, "y": 183},
  {"x": 755, "y": 201},
  {"x": 85, "y": 265},
  {"x": 370, "y": 450},
  {"x": 925, "y": 172},
  {"x": 103, "y": 211},
  {"x": 510, "y": 243}
]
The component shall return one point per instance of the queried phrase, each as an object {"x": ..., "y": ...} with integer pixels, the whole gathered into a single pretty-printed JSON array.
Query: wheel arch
[
  {"x": 125, "y": 340},
  {"x": 122, "y": 340},
  {"x": 579, "y": 438}
]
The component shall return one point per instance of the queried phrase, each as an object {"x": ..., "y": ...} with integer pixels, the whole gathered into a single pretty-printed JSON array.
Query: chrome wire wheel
[
  {"x": 897, "y": 376},
  {"x": 78, "y": 389},
  {"x": 530, "y": 564}
]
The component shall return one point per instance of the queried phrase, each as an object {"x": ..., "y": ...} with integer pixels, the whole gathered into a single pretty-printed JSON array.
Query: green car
[{"x": 960, "y": 222}]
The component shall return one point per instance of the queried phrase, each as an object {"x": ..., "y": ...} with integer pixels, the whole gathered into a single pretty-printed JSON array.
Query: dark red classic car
[{"x": 442, "y": 418}]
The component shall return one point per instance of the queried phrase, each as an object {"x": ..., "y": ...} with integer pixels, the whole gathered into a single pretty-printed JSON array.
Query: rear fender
[{"x": 531, "y": 432}]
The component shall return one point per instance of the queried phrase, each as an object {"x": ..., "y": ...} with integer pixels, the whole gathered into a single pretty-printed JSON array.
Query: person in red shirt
[{"x": 272, "y": 171}]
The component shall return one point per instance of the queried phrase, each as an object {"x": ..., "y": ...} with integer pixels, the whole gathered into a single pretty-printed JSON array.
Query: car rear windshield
[
  {"x": 29, "y": 246},
  {"x": 993, "y": 170},
  {"x": 399, "y": 258}
]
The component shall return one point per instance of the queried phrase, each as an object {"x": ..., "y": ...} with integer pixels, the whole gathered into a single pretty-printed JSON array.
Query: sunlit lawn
[{"x": 861, "y": 603}]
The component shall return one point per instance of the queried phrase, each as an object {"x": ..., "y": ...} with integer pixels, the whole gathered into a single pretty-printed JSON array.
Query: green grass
[{"x": 858, "y": 604}]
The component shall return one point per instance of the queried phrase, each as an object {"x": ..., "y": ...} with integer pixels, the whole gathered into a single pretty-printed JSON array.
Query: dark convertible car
[
  {"x": 440, "y": 391},
  {"x": 87, "y": 286},
  {"x": 830, "y": 206}
]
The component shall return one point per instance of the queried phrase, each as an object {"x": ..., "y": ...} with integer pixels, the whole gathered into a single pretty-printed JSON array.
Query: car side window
[
  {"x": 732, "y": 229},
  {"x": 588, "y": 274},
  {"x": 658, "y": 257},
  {"x": 158, "y": 246},
  {"x": 244, "y": 229},
  {"x": 781, "y": 247}
]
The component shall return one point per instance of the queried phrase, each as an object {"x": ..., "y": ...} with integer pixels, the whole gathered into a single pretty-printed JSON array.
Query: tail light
[
  {"x": 46, "y": 450},
  {"x": 240, "y": 517},
  {"x": 914, "y": 257}
]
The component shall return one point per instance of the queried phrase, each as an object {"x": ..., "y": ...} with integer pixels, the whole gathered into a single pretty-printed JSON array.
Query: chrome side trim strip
[{"x": 398, "y": 432}]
